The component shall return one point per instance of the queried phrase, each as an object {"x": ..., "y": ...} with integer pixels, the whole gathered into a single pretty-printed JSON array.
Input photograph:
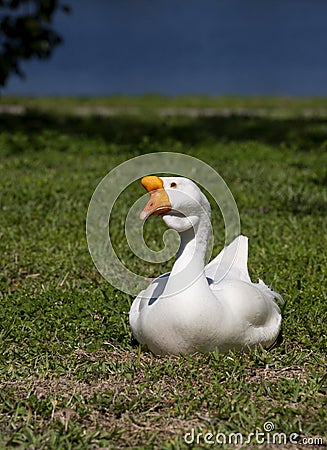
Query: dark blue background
[{"x": 174, "y": 47}]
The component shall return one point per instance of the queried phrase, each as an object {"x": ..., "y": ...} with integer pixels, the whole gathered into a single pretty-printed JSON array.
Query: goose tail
[{"x": 270, "y": 293}]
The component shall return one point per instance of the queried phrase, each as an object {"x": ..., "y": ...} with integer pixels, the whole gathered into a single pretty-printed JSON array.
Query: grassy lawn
[
  {"x": 70, "y": 374},
  {"x": 149, "y": 104}
]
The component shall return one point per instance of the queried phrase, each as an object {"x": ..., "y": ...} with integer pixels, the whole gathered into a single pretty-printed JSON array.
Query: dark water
[{"x": 186, "y": 47}]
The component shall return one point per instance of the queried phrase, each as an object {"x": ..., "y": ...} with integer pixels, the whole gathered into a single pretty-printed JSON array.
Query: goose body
[{"x": 198, "y": 308}]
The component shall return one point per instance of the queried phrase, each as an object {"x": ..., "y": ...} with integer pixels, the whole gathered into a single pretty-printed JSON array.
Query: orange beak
[{"x": 159, "y": 201}]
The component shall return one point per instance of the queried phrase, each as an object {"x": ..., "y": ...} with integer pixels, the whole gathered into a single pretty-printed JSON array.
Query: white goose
[{"x": 196, "y": 308}]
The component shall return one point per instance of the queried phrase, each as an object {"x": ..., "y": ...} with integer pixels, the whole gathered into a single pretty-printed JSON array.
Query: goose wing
[{"x": 231, "y": 263}]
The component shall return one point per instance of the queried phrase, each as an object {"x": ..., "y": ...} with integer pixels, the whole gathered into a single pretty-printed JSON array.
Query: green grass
[
  {"x": 70, "y": 374},
  {"x": 148, "y": 104}
]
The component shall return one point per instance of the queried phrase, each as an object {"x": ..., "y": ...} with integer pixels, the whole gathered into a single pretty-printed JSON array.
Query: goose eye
[{"x": 173, "y": 184}]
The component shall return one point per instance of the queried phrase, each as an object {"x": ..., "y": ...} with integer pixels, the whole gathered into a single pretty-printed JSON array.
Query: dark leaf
[{"x": 27, "y": 33}]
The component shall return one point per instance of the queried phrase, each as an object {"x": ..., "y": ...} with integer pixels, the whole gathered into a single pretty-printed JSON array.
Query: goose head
[{"x": 178, "y": 200}]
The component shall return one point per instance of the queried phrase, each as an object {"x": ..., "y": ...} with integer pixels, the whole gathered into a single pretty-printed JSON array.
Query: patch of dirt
[{"x": 272, "y": 375}]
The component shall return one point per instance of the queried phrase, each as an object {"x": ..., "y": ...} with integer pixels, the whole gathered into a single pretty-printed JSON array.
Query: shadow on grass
[{"x": 303, "y": 133}]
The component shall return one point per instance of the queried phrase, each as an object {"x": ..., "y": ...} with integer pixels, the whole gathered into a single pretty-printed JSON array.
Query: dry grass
[{"x": 158, "y": 421}]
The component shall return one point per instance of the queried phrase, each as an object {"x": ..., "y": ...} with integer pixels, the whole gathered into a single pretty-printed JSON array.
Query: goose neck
[{"x": 189, "y": 265}]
